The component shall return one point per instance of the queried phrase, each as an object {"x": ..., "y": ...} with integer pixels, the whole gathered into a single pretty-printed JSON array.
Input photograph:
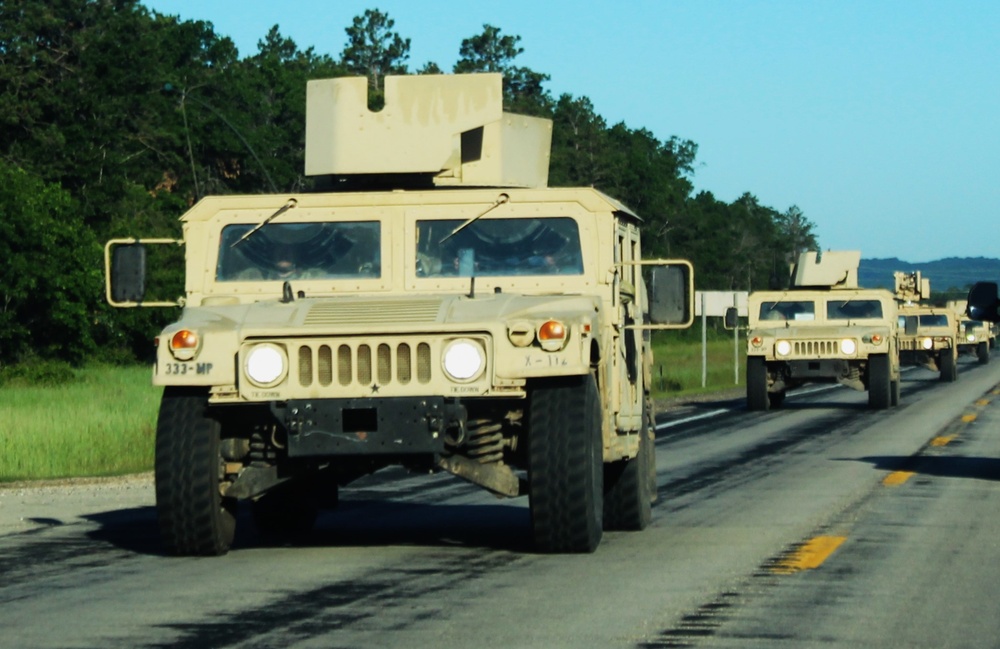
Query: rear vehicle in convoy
[
  {"x": 975, "y": 337},
  {"x": 436, "y": 306},
  {"x": 823, "y": 328},
  {"x": 930, "y": 339}
]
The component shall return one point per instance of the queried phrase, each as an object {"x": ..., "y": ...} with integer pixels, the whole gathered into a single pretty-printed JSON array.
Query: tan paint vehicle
[
  {"x": 822, "y": 329},
  {"x": 974, "y": 336},
  {"x": 461, "y": 317},
  {"x": 933, "y": 343}
]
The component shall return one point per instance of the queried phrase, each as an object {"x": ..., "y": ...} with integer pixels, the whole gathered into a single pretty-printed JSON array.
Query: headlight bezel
[
  {"x": 782, "y": 347},
  {"x": 463, "y": 360},
  {"x": 259, "y": 365}
]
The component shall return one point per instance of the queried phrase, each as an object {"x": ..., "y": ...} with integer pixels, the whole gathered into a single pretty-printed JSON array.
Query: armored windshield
[
  {"x": 854, "y": 310},
  {"x": 933, "y": 320},
  {"x": 788, "y": 310},
  {"x": 286, "y": 251},
  {"x": 499, "y": 247}
]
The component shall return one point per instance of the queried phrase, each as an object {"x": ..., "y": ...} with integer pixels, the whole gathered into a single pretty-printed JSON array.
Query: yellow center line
[
  {"x": 942, "y": 441},
  {"x": 983, "y": 402},
  {"x": 896, "y": 478},
  {"x": 968, "y": 418},
  {"x": 811, "y": 555}
]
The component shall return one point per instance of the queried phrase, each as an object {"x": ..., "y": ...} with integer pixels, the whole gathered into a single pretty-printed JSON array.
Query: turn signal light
[
  {"x": 552, "y": 330},
  {"x": 184, "y": 339},
  {"x": 552, "y": 335}
]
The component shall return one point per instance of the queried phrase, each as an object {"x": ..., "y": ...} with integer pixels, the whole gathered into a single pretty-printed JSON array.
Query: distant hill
[{"x": 949, "y": 273}]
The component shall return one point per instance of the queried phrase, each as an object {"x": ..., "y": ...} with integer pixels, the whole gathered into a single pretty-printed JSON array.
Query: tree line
[{"x": 115, "y": 119}]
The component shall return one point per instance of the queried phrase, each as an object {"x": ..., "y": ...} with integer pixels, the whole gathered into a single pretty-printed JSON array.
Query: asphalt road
[{"x": 822, "y": 524}]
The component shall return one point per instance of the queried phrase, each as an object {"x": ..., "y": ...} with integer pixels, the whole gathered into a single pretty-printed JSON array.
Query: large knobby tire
[
  {"x": 983, "y": 352},
  {"x": 949, "y": 367},
  {"x": 757, "y": 398},
  {"x": 894, "y": 393},
  {"x": 879, "y": 382},
  {"x": 628, "y": 489},
  {"x": 194, "y": 517},
  {"x": 775, "y": 399},
  {"x": 565, "y": 465}
]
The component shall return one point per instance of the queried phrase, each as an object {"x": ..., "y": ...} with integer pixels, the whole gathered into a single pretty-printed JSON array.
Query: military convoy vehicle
[
  {"x": 933, "y": 343},
  {"x": 974, "y": 336},
  {"x": 435, "y": 306},
  {"x": 929, "y": 335},
  {"x": 823, "y": 328}
]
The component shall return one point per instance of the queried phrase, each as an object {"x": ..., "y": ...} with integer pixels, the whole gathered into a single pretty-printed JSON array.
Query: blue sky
[{"x": 880, "y": 119}]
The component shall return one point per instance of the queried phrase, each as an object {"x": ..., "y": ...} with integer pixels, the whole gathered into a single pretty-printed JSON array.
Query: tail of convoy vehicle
[
  {"x": 930, "y": 334},
  {"x": 823, "y": 328},
  {"x": 436, "y": 306}
]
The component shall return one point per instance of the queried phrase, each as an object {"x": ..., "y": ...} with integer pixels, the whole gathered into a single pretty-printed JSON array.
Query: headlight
[
  {"x": 464, "y": 360},
  {"x": 848, "y": 346},
  {"x": 265, "y": 365},
  {"x": 927, "y": 343},
  {"x": 783, "y": 348},
  {"x": 971, "y": 338}
]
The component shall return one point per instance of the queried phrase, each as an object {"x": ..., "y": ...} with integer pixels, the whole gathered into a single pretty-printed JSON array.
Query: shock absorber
[{"x": 484, "y": 440}]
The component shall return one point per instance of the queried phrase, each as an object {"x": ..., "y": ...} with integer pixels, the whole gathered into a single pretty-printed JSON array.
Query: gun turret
[
  {"x": 448, "y": 130},
  {"x": 830, "y": 269},
  {"x": 911, "y": 287}
]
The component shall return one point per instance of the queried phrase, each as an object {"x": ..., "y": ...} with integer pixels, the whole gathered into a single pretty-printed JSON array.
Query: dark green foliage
[
  {"x": 115, "y": 119},
  {"x": 50, "y": 281}
]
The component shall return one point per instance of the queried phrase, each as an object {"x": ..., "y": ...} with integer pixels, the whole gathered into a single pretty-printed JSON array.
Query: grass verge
[{"x": 100, "y": 422}]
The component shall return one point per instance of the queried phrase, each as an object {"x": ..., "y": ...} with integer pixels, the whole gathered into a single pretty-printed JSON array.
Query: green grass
[
  {"x": 101, "y": 422},
  {"x": 677, "y": 365}
]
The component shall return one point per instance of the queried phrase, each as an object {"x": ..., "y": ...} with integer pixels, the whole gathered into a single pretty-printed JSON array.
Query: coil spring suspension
[{"x": 485, "y": 440}]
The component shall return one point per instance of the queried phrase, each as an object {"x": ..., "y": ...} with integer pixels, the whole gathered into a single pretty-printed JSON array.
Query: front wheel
[
  {"x": 194, "y": 517},
  {"x": 879, "y": 382},
  {"x": 983, "y": 352},
  {"x": 757, "y": 398},
  {"x": 949, "y": 368},
  {"x": 565, "y": 465},
  {"x": 629, "y": 485}
]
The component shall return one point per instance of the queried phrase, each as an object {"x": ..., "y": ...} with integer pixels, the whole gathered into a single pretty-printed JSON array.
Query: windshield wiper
[
  {"x": 501, "y": 199},
  {"x": 281, "y": 210}
]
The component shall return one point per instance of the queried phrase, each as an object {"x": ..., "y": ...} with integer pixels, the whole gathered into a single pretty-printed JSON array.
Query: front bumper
[{"x": 369, "y": 426}]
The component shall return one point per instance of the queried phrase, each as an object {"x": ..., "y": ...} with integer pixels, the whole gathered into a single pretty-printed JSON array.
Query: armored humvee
[
  {"x": 824, "y": 328},
  {"x": 435, "y": 306},
  {"x": 929, "y": 335},
  {"x": 975, "y": 337},
  {"x": 933, "y": 343}
]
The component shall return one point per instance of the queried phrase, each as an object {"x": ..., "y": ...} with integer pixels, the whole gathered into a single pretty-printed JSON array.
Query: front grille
[
  {"x": 364, "y": 363},
  {"x": 815, "y": 347}
]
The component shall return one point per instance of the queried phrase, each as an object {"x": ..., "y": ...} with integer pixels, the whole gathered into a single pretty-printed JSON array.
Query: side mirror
[
  {"x": 128, "y": 273},
  {"x": 671, "y": 296},
  {"x": 732, "y": 319},
  {"x": 983, "y": 302},
  {"x": 910, "y": 328}
]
